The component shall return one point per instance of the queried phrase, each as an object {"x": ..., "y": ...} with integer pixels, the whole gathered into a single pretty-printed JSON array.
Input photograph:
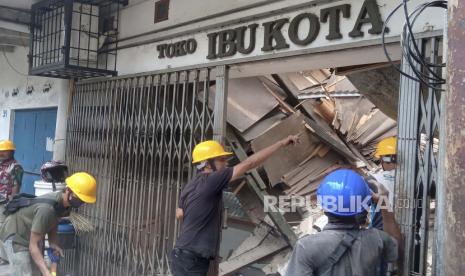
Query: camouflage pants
[{"x": 21, "y": 263}]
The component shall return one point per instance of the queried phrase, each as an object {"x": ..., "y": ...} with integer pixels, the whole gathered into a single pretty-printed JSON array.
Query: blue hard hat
[{"x": 344, "y": 193}]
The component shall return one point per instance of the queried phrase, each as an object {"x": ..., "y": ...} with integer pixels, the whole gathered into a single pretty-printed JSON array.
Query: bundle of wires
[{"x": 424, "y": 71}]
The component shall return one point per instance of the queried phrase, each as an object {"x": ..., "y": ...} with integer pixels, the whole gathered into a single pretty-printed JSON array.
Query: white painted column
[{"x": 59, "y": 147}]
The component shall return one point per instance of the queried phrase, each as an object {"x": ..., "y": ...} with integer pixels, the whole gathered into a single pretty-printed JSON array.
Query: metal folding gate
[
  {"x": 417, "y": 173},
  {"x": 135, "y": 135}
]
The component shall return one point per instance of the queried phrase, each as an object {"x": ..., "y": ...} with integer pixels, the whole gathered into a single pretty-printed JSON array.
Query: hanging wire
[
  {"x": 11, "y": 65},
  {"x": 15, "y": 70},
  {"x": 424, "y": 71}
]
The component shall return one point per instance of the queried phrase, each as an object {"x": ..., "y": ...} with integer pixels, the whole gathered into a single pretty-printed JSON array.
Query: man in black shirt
[{"x": 199, "y": 205}]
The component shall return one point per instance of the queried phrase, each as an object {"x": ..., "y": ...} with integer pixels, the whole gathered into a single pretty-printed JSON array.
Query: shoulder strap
[
  {"x": 43, "y": 200},
  {"x": 346, "y": 243},
  {"x": 20, "y": 202}
]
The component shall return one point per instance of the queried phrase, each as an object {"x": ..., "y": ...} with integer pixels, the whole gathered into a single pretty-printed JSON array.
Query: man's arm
[
  {"x": 390, "y": 225},
  {"x": 53, "y": 242},
  {"x": 260, "y": 157},
  {"x": 35, "y": 245}
]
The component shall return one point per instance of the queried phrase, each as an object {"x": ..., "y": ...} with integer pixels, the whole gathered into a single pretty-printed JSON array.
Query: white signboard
[{"x": 320, "y": 27}]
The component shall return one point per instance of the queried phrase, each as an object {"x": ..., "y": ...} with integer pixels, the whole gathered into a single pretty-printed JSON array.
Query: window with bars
[{"x": 74, "y": 39}]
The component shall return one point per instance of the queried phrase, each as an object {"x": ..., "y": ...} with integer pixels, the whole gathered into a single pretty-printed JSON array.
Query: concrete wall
[
  {"x": 14, "y": 84},
  {"x": 140, "y": 14}
]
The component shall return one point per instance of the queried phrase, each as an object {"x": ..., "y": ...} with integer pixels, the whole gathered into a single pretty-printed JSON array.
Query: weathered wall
[
  {"x": 140, "y": 14},
  {"x": 19, "y": 91},
  {"x": 380, "y": 86}
]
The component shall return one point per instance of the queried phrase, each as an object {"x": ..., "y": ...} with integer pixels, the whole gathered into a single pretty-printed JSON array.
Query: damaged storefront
[{"x": 316, "y": 69}]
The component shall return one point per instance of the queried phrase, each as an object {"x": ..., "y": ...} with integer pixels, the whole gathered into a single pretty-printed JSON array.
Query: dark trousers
[{"x": 187, "y": 263}]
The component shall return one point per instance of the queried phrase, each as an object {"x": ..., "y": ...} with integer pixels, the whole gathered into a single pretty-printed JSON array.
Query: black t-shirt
[{"x": 200, "y": 201}]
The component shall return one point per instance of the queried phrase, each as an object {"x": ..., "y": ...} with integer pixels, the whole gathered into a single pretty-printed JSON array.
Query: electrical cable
[
  {"x": 424, "y": 71},
  {"x": 15, "y": 70},
  {"x": 11, "y": 65}
]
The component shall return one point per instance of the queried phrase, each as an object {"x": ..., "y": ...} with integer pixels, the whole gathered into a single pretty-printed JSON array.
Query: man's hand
[
  {"x": 57, "y": 251},
  {"x": 179, "y": 213},
  {"x": 260, "y": 157},
  {"x": 382, "y": 190},
  {"x": 290, "y": 140}
]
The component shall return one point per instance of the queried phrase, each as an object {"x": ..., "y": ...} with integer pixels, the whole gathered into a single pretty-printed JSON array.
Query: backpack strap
[
  {"x": 20, "y": 202},
  {"x": 342, "y": 248}
]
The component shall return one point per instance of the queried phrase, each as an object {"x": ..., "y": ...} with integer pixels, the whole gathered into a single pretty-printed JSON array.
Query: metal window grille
[
  {"x": 69, "y": 38},
  {"x": 417, "y": 171},
  {"x": 136, "y": 135}
]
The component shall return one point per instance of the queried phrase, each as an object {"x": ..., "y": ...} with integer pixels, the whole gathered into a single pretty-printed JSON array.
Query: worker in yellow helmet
[
  {"x": 386, "y": 152},
  {"x": 24, "y": 230},
  {"x": 11, "y": 176},
  {"x": 11, "y": 172},
  {"x": 200, "y": 204}
]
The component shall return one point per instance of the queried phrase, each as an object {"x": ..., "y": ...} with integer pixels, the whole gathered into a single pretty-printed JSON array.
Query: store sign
[{"x": 229, "y": 42}]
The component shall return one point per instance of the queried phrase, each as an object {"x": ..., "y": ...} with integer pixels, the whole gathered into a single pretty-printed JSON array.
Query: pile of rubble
[{"x": 338, "y": 127}]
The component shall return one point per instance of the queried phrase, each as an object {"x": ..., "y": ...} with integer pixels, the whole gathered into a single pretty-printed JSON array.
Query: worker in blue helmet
[{"x": 345, "y": 246}]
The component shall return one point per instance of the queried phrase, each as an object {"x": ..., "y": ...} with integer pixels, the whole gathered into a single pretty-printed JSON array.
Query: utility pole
[{"x": 453, "y": 259}]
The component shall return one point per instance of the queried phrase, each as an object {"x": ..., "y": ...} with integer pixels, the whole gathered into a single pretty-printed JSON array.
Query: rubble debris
[
  {"x": 338, "y": 128},
  {"x": 263, "y": 242},
  {"x": 243, "y": 110},
  {"x": 286, "y": 159}
]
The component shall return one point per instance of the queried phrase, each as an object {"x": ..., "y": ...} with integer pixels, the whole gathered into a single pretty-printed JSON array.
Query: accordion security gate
[
  {"x": 135, "y": 135},
  {"x": 417, "y": 172}
]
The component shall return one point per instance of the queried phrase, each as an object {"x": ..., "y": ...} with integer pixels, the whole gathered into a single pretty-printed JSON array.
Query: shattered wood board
[
  {"x": 243, "y": 96},
  {"x": 262, "y": 126},
  {"x": 381, "y": 129},
  {"x": 326, "y": 133},
  {"x": 310, "y": 169},
  {"x": 300, "y": 81},
  {"x": 286, "y": 159},
  {"x": 320, "y": 75},
  {"x": 271, "y": 83},
  {"x": 289, "y": 84},
  {"x": 350, "y": 111},
  {"x": 310, "y": 185}
]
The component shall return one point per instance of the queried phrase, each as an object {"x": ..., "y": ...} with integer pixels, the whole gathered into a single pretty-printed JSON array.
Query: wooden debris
[{"x": 287, "y": 158}]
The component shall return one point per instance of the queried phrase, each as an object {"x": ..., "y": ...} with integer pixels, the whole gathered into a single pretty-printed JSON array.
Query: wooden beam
[{"x": 15, "y": 15}]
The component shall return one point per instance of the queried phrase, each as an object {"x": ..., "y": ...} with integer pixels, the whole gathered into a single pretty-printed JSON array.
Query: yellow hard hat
[
  {"x": 84, "y": 186},
  {"x": 208, "y": 150},
  {"x": 387, "y": 146},
  {"x": 7, "y": 145}
]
